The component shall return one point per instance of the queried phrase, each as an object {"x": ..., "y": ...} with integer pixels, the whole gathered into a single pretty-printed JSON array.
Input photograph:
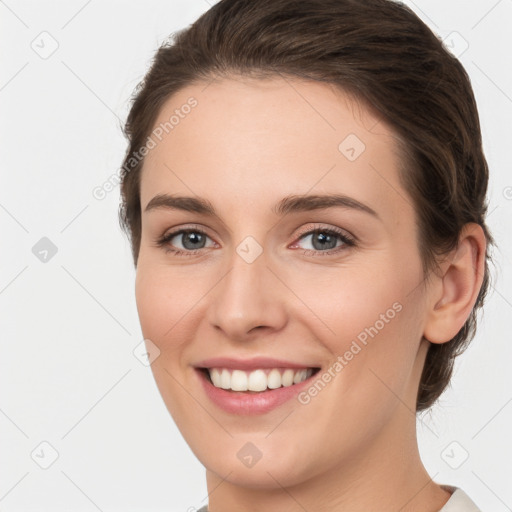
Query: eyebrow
[{"x": 289, "y": 204}]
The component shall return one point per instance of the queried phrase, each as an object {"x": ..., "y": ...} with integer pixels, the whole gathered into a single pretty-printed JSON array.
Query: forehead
[{"x": 252, "y": 141}]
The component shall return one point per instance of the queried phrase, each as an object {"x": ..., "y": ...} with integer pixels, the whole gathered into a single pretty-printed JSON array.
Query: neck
[
  {"x": 389, "y": 477},
  {"x": 386, "y": 475}
]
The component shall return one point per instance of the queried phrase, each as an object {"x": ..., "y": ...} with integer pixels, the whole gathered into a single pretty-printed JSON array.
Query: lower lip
[{"x": 250, "y": 403}]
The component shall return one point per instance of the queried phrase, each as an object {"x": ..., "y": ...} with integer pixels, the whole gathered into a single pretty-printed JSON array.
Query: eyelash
[{"x": 348, "y": 241}]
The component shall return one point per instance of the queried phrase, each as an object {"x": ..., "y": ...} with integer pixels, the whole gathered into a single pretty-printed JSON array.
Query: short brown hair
[{"x": 383, "y": 54}]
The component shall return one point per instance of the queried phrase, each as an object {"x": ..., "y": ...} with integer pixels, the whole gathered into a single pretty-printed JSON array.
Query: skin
[{"x": 247, "y": 144}]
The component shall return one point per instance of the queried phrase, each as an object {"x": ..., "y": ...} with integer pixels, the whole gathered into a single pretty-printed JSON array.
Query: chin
[{"x": 273, "y": 470}]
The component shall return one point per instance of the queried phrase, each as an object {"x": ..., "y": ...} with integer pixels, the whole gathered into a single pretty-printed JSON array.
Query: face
[{"x": 295, "y": 250}]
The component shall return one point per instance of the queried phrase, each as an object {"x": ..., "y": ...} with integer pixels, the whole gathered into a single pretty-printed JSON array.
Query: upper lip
[{"x": 250, "y": 364}]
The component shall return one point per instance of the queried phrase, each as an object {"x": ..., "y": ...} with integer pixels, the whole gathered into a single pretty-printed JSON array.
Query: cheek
[
  {"x": 369, "y": 318},
  {"x": 168, "y": 305},
  {"x": 169, "y": 301},
  {"x": 347, "y": 302},
  {"x": 156, "y": 312}
]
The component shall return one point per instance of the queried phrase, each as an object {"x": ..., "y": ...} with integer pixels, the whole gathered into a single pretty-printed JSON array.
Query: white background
[{"x": 68, "y": 326}]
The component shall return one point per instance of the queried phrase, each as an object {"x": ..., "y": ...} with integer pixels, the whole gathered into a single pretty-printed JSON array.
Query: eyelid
[
  {"x": 187, "y": 227},
  {"x": 324, "y": 227},
  {"x": 163, "y": 241}
]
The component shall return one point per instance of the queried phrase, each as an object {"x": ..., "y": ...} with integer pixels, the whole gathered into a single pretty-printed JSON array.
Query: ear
[{"x": 456, "y": 289}]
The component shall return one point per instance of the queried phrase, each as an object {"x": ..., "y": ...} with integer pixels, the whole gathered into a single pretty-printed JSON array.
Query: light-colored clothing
[{"x": 459, "y": 502}]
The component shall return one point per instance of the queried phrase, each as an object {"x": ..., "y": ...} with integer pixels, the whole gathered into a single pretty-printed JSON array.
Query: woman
[{"x": 305, "y": 194}]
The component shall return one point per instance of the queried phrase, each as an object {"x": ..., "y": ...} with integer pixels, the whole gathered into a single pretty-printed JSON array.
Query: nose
[{"x": 248, "y": 299}]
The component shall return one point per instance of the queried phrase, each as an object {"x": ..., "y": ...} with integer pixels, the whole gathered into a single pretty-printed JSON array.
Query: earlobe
[{"x": 453, "y": 298}]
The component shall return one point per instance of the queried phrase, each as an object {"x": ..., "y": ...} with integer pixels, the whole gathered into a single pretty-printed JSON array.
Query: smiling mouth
[{"x": 256, "y": 381}]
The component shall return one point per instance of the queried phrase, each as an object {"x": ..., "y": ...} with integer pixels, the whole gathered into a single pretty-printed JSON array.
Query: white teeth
[
  {"x": 274, "y": 379},
  {"x": 225, "y": 380},
  {"x": 216, "y": 378},
  {"x": 238, "y": 380},
  {"x": 288, "y": 377},
  {"x": 257, "y": 380},
  {"x": 299, "y": 376}
]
